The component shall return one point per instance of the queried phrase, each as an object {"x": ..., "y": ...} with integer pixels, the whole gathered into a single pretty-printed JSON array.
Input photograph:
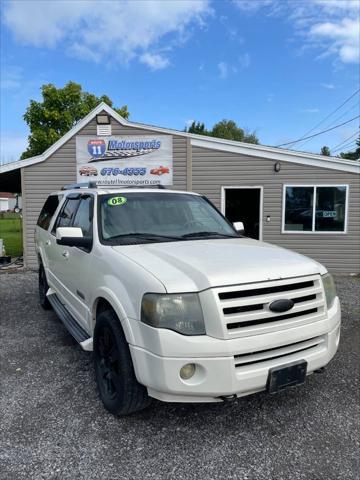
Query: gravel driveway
[{"x": 54, "y": 426}]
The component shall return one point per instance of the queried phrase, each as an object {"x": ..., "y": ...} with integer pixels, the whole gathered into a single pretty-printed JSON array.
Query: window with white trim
[{"x": 315, "y": 208}]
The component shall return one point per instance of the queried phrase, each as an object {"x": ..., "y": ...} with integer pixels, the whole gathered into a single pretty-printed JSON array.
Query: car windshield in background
[{"x": 137, "y": 217}]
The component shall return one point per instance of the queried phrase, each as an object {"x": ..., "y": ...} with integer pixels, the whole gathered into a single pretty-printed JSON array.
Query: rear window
[{"x": 48, "y": 211}]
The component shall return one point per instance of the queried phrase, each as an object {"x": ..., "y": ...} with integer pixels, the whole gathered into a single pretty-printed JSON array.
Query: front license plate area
[{"x": 286, "y": 376}]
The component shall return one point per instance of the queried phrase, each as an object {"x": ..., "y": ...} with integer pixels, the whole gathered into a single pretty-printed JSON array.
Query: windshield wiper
[
  {"x": 145, "y": 236},
  {"x": 208, "y": 234}
]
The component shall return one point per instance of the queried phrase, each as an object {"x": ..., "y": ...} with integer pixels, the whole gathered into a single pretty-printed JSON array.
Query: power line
[
  {"x": 344, "y": 141},
  {"x": 320, "y": 133},
  {"x": 351, "y": 144},
  {"x": 333, "y": 122},
  {"x": 347, "y": 146},
  {"x": 304, "y": 137}
]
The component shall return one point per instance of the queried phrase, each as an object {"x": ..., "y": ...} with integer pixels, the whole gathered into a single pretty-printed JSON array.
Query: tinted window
[
  {"x": 83, "y": 216},
  {"x": 66, "y": 214},
  {"x": 299, "y": 208},
  {"x": 175, "y": 216},
  {"x": 330, "y": 209},
  {"x": 48, "y": 211}
]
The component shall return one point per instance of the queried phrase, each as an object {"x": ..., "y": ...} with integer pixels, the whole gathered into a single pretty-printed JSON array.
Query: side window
[
  {"x": 66, "y": 214},
  {"x": 84, "y": 215},
  {"x": 48, "y": 211},
  {"x": 317, "y": 208}
]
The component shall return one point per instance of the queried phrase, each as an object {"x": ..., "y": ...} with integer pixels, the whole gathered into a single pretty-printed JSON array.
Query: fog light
[{"x": 187, "y": 371}]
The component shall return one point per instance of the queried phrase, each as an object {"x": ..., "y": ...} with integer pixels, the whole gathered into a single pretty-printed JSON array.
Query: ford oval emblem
[{"x": 282, "y": 305}]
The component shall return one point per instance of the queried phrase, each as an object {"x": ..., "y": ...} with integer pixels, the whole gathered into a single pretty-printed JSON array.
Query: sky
[{"x": 277, "y": 67}]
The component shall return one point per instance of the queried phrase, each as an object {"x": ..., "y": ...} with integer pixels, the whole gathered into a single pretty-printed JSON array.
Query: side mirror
[
  {"x": 72, "y": 237},
  {"x": 239, "y": 227}
]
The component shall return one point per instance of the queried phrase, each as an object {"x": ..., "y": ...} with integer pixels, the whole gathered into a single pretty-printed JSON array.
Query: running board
[{"x": 67, "y": 319}]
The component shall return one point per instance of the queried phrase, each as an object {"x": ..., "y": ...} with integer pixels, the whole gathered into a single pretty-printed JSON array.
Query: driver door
[{"x": 71, "y": 265}]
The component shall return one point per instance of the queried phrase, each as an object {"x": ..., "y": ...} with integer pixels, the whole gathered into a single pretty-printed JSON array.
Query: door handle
[
  {"x": 47, "y": 243},
  {"x": 65, "y": 254}
]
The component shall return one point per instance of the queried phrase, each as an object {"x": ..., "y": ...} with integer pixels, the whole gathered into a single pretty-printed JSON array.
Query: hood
[{"x": 200, "y": 264}]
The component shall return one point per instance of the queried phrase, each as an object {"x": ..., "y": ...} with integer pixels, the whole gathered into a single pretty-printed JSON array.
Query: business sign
[
  {"x": 130, "y": 160},
  {"x": 329, "y": 213}
]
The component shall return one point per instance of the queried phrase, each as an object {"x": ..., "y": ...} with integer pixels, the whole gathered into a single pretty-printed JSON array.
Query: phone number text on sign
[{"x": 126, "y": 171}]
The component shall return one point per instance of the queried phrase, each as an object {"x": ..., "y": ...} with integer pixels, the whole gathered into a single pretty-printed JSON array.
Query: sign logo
[
  {"x": 96, "y": 148},
  {"x": 125, "y": 159}
]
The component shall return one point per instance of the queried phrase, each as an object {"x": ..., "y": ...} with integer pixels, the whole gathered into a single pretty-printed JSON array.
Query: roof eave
[{"x": 271, "y": 153}]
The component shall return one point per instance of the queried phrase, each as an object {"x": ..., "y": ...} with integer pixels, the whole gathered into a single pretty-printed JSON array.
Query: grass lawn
[{"x": 11, "y": 233}]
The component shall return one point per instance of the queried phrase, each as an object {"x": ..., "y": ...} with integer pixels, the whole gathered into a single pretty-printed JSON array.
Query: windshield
[{"x": 138, "y": 217}]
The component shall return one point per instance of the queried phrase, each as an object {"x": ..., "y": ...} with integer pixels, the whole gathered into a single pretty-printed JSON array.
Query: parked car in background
[
  {"x": 88, "y": 171},
  {"x": 159, "y": 171}
]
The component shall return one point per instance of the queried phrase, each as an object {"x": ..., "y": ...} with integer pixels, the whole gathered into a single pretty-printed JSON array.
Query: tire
[
  {"x": 118, "y": 388},
  {"x": 43, "y": 288}
]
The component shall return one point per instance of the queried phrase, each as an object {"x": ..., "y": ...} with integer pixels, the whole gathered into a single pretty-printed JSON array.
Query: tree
[
  {"x": 355, "y": 155},
  {"x": 227, "y": 129},
  {"x": 57, "y": 113},
  {"x": 325, "y": 151},
  {"x": 197, "y": 127}
]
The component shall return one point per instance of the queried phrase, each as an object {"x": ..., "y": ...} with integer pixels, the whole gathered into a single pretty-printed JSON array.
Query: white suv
[{"x": 176, "y": 304}]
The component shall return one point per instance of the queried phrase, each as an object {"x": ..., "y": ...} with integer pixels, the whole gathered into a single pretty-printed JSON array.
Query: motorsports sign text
[{"x": 125, "y": 160}]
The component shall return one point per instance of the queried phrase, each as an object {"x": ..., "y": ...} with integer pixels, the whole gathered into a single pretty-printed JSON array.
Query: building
[
  {"x": 305, "y": 202},
  {"x": 9, "y": 201}
]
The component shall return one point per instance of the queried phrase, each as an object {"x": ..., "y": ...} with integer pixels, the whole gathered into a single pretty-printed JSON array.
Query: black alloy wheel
[
  {"x": 118, "y": 387},
  {"x": 43, "y": 288}
]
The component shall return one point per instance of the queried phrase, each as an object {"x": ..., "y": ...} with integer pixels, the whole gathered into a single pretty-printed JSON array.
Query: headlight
[
  {"x": 330, "y": 290},
  {"x": 179, "y": 312}
]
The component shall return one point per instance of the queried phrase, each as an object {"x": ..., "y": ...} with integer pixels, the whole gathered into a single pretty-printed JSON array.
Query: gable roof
[{"x": 250, "y": 149}]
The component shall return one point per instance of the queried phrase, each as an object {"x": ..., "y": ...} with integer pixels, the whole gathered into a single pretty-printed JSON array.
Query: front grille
[
  {"x": 245, "y": 308},
  {"x": 263, "y": 290},
  {"x": 278, "y": 317},
  {"x": 277, "y": 353}
]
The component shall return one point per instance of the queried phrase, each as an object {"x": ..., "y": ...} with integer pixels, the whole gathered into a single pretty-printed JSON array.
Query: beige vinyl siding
[
  {"x": 339, "y": 252},
  {"x": 40, "y": 179}
]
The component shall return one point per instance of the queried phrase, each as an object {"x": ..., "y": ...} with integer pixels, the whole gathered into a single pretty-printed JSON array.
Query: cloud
[
  {"x": 227, "y": 69},
  {"x": 329, "y": 86},
  {"x": 110, "y": 31},
  {"x": 223, "y": 68},
  {"x": 331, "y": 26},
  {"x": 11, "y": 77},
  {"x": 154, "y": 60},
  {"x": 342, "y": 38},
  {"x": 253, "y": 5}
]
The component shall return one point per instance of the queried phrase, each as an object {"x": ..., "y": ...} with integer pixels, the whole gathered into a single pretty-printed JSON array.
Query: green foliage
[
  {"x": 197, "y": 127},
  {"x": 58, "y": 112},
  {"x": 11, "y": 233},
  {"x": 227, "y": 129},
  {"x": 355, "y": 155},
  {"x": 325, "y": 151}
]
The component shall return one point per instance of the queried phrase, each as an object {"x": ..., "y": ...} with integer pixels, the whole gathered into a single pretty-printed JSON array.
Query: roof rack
[
  {"x": 74, "y": 186},
  {"x": 160, "y": 187}
]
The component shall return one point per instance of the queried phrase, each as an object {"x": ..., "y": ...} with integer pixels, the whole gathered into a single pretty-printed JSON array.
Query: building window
[{"x": 314, "y": 208}]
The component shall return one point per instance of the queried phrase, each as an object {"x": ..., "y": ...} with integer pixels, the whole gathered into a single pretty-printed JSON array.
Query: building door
[{"x": 244, "y": 204}]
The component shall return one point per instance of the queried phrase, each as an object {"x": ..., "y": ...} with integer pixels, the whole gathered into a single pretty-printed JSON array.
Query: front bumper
[{"x": 216, "y": 374}]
